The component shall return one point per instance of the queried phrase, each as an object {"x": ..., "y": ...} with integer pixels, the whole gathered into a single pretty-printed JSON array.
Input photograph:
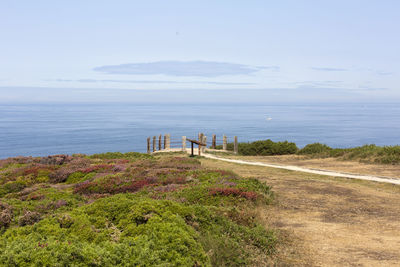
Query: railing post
[
  {"x": 148, "y": 145},
  {"x": 165, "y": 141},
  {"x": 159, "y": 142},
  {"x": 235, "y": 145},
  {"x": 184, "y": 143},
  {"x": 200, "y": 140},
  {"x": 204, "y": 141},
  {"x": 154, "y": 143},
  {"x": 224, "y": 143},
  {"x": 214, "y": 141},
  {"x": 168, "y": 141}
]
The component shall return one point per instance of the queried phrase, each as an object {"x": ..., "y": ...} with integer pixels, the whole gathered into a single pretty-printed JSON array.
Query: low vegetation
[
  {"x": 366, "y": 153},
  {"x": 129, "y": 209},
  {"x": 264, "y": 148}
]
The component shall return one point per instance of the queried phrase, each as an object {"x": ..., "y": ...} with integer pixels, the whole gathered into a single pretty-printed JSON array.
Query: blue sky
[{"x": 318, "y": 49}]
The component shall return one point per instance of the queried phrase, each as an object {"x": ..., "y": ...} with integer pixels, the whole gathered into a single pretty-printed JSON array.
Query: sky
[{"x": 259, "y": 50}]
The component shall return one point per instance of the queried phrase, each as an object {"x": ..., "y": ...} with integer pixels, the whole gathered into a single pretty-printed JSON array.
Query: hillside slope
[{"x": 129, "y": 209}]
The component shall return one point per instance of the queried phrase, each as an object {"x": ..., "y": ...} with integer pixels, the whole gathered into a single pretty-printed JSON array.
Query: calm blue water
[{"x": 43, "y": 129}]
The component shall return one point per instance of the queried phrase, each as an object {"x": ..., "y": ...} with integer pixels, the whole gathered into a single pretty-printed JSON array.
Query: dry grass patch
[{"x": 329, "y": 221}]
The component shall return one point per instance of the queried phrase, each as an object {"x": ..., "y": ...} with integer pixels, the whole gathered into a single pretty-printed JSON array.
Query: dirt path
[
  {"x": 308, "y": 170},
  {"x": 326, "y": 221},
  {"x": 328, "y": 164}
]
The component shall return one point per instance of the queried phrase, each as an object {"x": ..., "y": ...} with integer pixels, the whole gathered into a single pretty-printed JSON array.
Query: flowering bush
[
  {"x": 35, "y": 197},
  {"x": 5, "y": 218},
  {"x": 97, "y": 167},
  {"x": 29, "y": 217},
  {"x": 167, "y": 188},
  {"x": 5, "y": 215},
  {"x": 233, "y": 192},
  {"x": 61, "y": 175},
  {"x": 111, "y": 185},
  {"x": 119, "y": 168},
  {"x": 55, "y": 159},
  {"x": 65, "y": 221}
]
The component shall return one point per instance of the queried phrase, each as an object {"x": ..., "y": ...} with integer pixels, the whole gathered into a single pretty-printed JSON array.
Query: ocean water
[{"x": 44, "y": 129}]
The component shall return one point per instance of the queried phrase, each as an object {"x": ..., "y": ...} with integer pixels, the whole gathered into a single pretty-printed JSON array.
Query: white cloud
[
  {"x": 183, "y": 68},
  {"x": 151, "y": 82},
  {"x": 328, "y": 69}
]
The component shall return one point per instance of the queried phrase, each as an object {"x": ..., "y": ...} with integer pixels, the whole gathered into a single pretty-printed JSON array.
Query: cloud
[
  {"x": 330, "y": 82},
  {"x": 183, "y": 68},
  {"x": 328, "y": 69},
  {"x": 152, "y": 82},
  {"x": 369, "y": 88},
  {"x": 324, "y": 84},
  {"x": 384, "y": 73},
  {"x": 375, "y": 71},
  {"x": 336, "y": 86}
]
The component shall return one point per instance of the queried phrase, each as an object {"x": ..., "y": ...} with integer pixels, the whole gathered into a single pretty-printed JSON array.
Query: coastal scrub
[{"x": 128, "y": 209}]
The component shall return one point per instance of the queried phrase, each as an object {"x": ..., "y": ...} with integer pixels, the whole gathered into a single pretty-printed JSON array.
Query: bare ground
[{"x": 328, "y": 221}]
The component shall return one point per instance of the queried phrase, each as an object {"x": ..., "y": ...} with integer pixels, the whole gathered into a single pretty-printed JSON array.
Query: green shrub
[
  {"x": 12, "y": 186},
  {"x": 264, "y": 148},
  {"x": 315, "y": 148},
  {"x": 137, "y": 231},
  {"x": 79, "y": 176}
]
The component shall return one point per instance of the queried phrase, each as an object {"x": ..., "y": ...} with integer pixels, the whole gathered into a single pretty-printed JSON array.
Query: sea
[{"x": 41, "y": 129}]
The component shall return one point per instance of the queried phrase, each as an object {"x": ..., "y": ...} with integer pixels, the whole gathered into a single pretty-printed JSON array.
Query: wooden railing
[{"x": 165, "y": 143}]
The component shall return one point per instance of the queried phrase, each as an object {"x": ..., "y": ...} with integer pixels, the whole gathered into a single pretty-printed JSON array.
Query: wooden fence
[{"x": 165, "y": 142}]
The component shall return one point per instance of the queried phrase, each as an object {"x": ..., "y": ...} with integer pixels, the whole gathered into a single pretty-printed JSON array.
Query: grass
[
  {"x": 129, "y": 209},
  {"x": 367, "y": 153}
]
